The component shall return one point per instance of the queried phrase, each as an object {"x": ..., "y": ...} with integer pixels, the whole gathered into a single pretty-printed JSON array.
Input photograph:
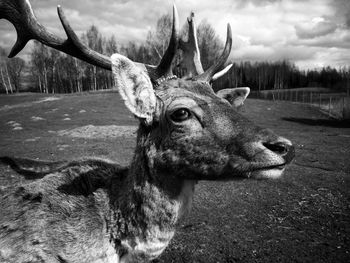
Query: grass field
[{"x": 303, "y": 217}]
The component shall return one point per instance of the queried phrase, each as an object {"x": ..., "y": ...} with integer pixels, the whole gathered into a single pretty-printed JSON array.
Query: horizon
[{"x": 310, "y": 34}]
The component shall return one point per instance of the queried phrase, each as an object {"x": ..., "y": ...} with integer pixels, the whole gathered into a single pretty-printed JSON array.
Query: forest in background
[{"x": 50, "y": 71}]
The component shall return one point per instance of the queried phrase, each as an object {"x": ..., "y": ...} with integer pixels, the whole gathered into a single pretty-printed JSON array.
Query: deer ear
[
  {"x": 135, "y": 87},
  {"x": 235, "y": 96}
]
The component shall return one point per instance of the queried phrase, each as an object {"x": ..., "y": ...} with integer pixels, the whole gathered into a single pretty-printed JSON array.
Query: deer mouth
[
  {"x": 267, "y": 172},
  {"x": 277, "y": 166}
]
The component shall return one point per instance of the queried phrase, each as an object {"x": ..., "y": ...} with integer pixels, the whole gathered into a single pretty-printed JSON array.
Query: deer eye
[{"x": 180, "y": 115}]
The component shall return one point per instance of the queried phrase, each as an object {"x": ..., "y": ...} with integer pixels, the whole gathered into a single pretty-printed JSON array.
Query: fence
[{"x": 335, "y": 105}]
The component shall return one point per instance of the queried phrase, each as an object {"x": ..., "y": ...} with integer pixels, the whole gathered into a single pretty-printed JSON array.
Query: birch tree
[{"x": 15, "y": 68}]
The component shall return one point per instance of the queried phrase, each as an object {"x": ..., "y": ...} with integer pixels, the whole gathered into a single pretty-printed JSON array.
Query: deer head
[
  {"x": 185, "y": 128},
  {"x": 190, "y": 131}
]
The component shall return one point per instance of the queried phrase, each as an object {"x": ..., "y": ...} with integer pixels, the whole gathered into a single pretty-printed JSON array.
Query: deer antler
[
  {"x": 191, "y": 56},
  {"x": 212, "y": 73},
  {"x": 21, "y": 15},
  {"x": 164, "y": 67}
]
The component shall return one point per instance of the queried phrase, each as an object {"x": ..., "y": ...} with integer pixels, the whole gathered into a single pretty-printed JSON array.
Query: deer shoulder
[{"x": 45, "y": 219}]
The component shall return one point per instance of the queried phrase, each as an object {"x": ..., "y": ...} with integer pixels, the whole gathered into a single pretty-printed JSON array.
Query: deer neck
[
  {"x": 164, "y": 194},
  {"x": 152, "y": 201}
]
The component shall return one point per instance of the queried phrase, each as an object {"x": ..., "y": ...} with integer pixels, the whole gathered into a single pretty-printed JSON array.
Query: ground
[{"x": 303, "y": 217}]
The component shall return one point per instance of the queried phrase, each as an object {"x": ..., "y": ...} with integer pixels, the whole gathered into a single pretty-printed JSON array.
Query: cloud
[
  {"x": 326, "y": 56},
  {"x": 342, "y": 11},
  {"x": 339, "y": 39},
  {"x": 244, "y": 3},
  {"x": 315, "y": 28}
]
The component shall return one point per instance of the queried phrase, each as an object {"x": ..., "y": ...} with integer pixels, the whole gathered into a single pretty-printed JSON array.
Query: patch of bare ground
[
  {"x": 100, "y": 132},
  {"x": 303, "y": 217}
]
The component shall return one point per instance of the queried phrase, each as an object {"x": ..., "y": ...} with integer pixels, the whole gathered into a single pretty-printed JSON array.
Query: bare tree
[
  {"x": 3, "y": 83},
  {"x": 15, "y": 67},
  {"x": 158, "y": 38},
  {"x": 209, "y": 43},
  {"x": 40, "y": 57},
  {"x": 111, "y": 47},
  {"x": 94, "y": 41},
  {"x": 4, "y": 73}
]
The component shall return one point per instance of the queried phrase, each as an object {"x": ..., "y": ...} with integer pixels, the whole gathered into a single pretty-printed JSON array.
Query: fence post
[
  {"x": 311, "y": 98},
  {"x": 319, "y": 103},
  {"x": 302, "y": 96},
  {"x": 296, "y": 96}
]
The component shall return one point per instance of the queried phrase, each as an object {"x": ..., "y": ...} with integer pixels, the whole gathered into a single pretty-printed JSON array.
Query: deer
[{"x": 96, "y": 210}]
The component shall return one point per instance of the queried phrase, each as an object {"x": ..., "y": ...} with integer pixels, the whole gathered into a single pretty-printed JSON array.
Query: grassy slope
[{"x": 304, "y": 217}]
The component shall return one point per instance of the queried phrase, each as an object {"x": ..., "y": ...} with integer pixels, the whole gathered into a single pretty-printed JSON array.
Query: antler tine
[
  {"x": 82, "y": 51},
  {"x": 191, "y": 56},
  {"x": 222, "y": 72},
  {"x": 210, "y": 72},
  {"x": 164, "y": 68},
  {"x": 15, "y": 12}
]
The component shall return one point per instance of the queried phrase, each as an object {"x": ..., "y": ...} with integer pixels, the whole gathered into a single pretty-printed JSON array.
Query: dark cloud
[
  {"x": 244, "y": 3},
  {"x": 347, "y": 19},
  {"x": 341, "y": 41},
  {"x": 317, "y": 29},
  {"x": 342, "y": 11}
]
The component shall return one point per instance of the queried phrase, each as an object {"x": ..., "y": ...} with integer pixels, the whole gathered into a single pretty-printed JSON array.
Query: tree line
[
  {"x": 10, "y": 73},
  {"x": 283, "y": 75},
  {"x": 51, "y": 71}
]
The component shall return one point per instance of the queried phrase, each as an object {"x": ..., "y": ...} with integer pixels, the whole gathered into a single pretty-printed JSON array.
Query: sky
[{"x": 309, "y": 33}]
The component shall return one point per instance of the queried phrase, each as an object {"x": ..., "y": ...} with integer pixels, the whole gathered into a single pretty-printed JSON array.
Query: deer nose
[{"x": 283, "y": 148}]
